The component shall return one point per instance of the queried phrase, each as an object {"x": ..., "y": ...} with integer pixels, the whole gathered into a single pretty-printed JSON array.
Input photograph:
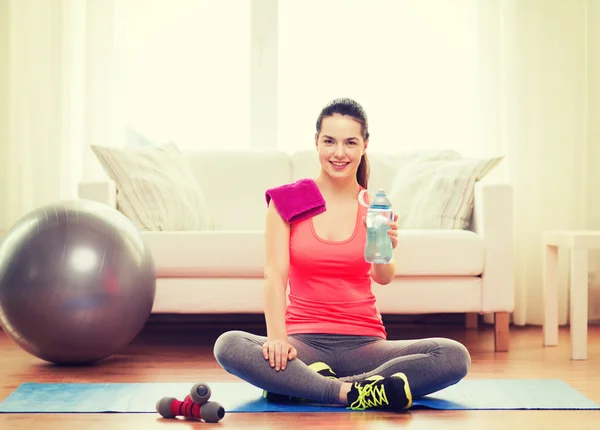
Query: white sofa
[{"x": 221, "y": 271}]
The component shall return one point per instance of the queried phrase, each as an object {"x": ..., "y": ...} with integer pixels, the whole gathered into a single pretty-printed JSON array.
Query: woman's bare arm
[
  {"x": 277, "y": 258},
  {"x": 383, "y": 274}
]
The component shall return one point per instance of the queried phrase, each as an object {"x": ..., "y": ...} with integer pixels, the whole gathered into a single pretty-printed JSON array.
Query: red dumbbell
[
  {"x": 170, "y": 407},
  {"x": 195, "y": 405}
]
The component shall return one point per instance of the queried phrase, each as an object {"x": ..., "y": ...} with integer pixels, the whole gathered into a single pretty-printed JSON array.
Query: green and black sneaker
[
  {"x": 319, "y": 367},
  {"x": 377, "y": 392}
]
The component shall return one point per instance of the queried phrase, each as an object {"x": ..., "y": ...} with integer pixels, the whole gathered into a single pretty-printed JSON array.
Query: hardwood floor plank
[{"x": 181, "y": 354}]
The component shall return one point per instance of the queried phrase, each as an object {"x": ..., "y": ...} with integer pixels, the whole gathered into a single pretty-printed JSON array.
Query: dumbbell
[
  {"x": 200, "y": 393},
  {"x": 170, "y": 407},
  {"x": 195, "y": 405}
]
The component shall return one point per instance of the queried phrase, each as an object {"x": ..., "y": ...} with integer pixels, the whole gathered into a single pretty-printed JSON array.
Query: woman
[{"x": 329, "y": 344}]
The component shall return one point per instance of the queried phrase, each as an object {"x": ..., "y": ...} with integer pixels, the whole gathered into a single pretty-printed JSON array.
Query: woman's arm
[
  {"x": 384, "y": 273},
  {"x": 277, "y": 258}
]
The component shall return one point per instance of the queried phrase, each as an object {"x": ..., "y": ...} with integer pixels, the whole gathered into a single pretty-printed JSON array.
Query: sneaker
[
  {"x": 319, "y": 367},
  {"x": 376, "y": 392}
]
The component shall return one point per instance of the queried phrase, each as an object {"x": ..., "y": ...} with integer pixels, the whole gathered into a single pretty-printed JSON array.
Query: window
[
  {"x": 196, "y": 73},
  {"x": 413, "y": 65},
  {"x": 188, "y": 72}
]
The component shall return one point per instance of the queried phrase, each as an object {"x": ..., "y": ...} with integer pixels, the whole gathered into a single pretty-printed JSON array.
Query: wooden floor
[{"x": 182, "y": 354}]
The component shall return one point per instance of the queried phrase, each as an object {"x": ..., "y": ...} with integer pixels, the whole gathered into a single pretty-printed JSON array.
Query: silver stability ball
[{"x": 77, "y": 282}]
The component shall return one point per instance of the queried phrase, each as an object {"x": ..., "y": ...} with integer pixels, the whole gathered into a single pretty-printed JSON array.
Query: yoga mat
[{"x": 241, "y": 397}]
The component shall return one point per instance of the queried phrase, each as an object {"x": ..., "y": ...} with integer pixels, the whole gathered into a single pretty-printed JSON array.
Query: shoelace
[{"x": 369, "y": 395}]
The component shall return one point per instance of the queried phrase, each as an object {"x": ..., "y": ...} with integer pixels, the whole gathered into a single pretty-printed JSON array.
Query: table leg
[
  {"x": 550, "y": 295},
  {"x": 579, "y": 303}
]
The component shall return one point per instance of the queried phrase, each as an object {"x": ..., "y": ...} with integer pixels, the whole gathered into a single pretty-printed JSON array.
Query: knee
[
  {"x": 458, "y": 357},
  {"x": 228, "y": 346}
]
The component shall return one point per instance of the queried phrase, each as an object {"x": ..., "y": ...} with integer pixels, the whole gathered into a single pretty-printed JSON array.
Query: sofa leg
[
  {"x": 501, "y": 331},
  {"x": 471, "y": 320}
]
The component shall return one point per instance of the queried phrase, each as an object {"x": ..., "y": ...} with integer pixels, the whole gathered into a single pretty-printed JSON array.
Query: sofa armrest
[
  {"x": 99, "y": 191},
  {"x": 493, "y": 220}
]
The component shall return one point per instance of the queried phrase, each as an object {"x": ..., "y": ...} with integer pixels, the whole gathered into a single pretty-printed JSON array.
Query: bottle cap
[{"x": 380, "y": 200}]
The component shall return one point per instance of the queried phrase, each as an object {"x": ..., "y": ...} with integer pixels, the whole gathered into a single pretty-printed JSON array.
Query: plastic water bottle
[{"x": 378, "y": 248}]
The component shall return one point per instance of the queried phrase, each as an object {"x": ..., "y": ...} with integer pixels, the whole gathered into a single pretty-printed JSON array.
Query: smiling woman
[{"x": 328, "y": 343}]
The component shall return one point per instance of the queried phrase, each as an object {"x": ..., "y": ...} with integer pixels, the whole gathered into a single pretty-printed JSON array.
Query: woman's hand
[
  {"x": 393, "y": 231},
  {"x": 278, "y": 352}
]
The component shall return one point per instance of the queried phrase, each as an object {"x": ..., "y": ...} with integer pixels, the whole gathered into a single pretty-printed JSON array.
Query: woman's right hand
[{"x": 278, "y": 352}]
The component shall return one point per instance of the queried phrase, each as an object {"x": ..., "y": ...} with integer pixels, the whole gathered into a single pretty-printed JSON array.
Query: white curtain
[
  {"x": 539, "y": 61},
  {"x": 61, "y": 86},
  {"x": 44, "y": 97}
]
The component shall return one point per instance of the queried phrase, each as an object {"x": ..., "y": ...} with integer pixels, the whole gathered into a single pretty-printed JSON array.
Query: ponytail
[{"x": 362, "y": 174}]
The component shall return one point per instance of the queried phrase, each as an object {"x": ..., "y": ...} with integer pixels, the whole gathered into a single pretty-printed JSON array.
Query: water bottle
[{"x": 378, "y": 248}]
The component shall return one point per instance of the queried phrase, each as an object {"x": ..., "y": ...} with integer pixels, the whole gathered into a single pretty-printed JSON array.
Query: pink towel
[{"x": 297, "y": 201}]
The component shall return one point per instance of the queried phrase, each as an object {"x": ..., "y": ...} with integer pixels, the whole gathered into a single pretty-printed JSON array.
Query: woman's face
[{"x": 340, "y": 146}]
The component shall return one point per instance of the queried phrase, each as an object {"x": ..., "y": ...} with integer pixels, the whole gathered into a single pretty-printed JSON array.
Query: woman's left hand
[{"x": 393, "y": 231}]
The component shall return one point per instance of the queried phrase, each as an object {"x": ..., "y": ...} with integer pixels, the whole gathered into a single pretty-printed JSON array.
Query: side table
[{"x": 579, "y": 242}]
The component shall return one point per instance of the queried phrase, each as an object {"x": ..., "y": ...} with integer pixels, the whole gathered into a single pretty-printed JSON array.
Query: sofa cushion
[
  {"x": 439, "y": 253},
  {"x": 207, "y": 253},
  {"x": 241, "y": 253}
]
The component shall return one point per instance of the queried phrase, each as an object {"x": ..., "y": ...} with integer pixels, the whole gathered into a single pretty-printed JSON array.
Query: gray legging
[{"x": 429, "y": 364}]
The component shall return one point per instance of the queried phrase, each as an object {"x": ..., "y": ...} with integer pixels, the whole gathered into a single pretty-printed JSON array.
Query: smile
[{"x": 339, "y": 165}]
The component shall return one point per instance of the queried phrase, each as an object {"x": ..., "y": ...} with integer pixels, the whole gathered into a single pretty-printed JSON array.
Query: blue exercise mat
[{"x": 241, "y": 397}]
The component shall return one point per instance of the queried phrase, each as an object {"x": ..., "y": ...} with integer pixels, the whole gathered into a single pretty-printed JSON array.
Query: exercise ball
[{"x": 77, "y": 282}]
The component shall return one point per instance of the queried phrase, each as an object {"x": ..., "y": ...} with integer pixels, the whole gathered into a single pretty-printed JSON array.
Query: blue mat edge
[{"x": 423, "y": 403}]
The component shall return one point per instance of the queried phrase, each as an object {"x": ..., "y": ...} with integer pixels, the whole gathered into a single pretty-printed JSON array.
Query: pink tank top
[{"x": 330, "y": 284}]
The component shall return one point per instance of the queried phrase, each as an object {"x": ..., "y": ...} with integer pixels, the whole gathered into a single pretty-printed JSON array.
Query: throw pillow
[
  {"x": 156, "y": 187},
  {"x": 438, "y": 194}
]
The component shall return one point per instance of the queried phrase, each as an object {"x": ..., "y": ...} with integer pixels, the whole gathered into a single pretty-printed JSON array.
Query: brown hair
[
  {"x": 349, "y": 107},
  {"x": 362, "y": 174}
]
